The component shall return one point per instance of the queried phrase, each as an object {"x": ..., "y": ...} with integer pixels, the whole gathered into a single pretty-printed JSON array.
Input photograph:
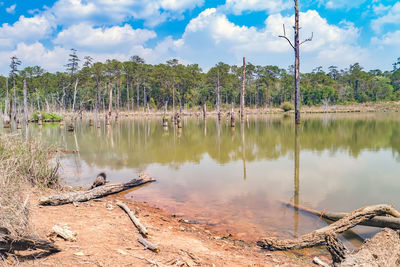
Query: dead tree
[
  {"x": 296, "y": 48},
  {"x": 110, "y": 101},
  {"x": 26, "y": 103},
  {"x": 242, "y": 90}
]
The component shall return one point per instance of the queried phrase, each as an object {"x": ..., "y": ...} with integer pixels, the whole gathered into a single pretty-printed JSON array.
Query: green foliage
[
  {"x": 48, "y": 117},
  {"x": 286, "y": 106},
  {"x": 187, "y": 85}
]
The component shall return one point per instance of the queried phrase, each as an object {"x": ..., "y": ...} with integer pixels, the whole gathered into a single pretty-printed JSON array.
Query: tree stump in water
[
  {"x": 165, "y": 122},
  {"x": 90, "y": 122},
  {"x": 70, "y": 127}
]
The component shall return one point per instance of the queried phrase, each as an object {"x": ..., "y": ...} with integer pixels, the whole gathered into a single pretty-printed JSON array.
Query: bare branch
[
  {"x": 284, "y": 36},
  {"x": 308, "y": 39}
]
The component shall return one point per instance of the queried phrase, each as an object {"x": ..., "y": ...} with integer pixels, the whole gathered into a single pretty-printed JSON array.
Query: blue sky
[{"x": 199, "y": 31}]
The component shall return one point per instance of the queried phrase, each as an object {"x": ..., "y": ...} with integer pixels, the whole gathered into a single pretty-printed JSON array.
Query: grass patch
[{"x": 23, "y": 165}]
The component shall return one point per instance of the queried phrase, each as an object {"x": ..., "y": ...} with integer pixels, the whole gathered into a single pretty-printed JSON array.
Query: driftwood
[
  {"x": 377, "y": 221},
  {"x": 94, "y": 193},
  {"x": 318, "y": 237},
  {"x": 9, "y": 243},
  {"x": 147, "y": 244},
  {"x": 135, "y": 220},
  {"x": 64, "y": 232},
  {"x": 381, "y": 250}
]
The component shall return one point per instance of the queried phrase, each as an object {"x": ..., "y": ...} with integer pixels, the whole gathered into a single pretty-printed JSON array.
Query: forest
[{"x": 137, "y": 86}]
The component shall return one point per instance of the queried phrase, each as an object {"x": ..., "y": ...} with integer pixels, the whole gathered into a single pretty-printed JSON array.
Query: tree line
[{"x": 134, "y": 85}]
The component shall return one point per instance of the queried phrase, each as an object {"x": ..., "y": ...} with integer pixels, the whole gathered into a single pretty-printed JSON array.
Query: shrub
[
  {"x": 50, "y": 117},
  {"x": 286, "y": 106}
]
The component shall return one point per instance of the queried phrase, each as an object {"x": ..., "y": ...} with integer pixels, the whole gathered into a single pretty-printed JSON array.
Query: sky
[{"x": 203, "y": 32}]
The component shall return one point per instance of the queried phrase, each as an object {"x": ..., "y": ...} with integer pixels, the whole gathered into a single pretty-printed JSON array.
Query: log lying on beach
[
  {"x": 136, "y": 222},
  {"x": 148, "y": 245},
  {"x": 94, "y": 193},
  {"x": 318, "y": 237},
  {"x": 377, "y": 221},
  {"x": 9, "y": 243}
]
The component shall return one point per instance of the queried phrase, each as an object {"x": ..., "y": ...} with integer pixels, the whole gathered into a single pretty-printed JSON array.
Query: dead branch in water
[
  {"x": 94, "y": 193},
  {"x": 135, "y": 220},
  {"x": 377, "y": 221},
  {"x": 318, "y": 237}
]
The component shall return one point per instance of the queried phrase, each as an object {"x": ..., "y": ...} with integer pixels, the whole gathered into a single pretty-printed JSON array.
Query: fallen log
[
  {"x": 9, "y": 243},
  {"x": 317, "y": 237},
  {"x": 94, "y": 193},
  {"x": 136, "y": 222},
  {"x": 377, "y": 221},
  {"x": 381, "y": 250},
  {"x": 148, "y": 245}
]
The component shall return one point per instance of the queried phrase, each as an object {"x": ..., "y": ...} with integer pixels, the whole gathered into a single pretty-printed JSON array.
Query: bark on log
[
  {"x": 317, "y": 237},
  {"x": 96, "y": 192},
  {"x": 136, "y": 222},
  {"x": 378, "y": 221},
  {"x": 10, "y": 243},
  {"x": 381, "y": 250},
  {"x": 147, "y": 244},
  {"x": 65, "y": 233}
]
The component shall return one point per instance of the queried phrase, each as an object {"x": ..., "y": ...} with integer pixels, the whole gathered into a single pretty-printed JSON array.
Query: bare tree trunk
[
  {"x": 144, "y": 99},
  {"x": 173, "y": 99},
  {"x": 296, "y": 63},
  {"x": 110, "y": 101},
  {"x": 127, "y": 93},
  {"x": 137, "y": 94},
  {"x": 14, "y": 105},
  {"x": 7, "y": 101},
  {"x": 26, "y": 103},
  {"x": 218, "y": 99},
  {"x": 242, "y": 91},
  {"x": 75, "y": 89}
]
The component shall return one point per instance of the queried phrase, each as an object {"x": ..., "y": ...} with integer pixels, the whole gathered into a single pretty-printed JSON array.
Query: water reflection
[{"x": 235, "y": 178}]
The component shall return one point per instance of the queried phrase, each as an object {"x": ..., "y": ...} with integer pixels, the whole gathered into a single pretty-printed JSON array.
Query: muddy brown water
[{"x": 233, "y": 179}]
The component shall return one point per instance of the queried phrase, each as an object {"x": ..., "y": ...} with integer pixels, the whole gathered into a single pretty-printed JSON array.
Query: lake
[{"x": 234, "y": 180}]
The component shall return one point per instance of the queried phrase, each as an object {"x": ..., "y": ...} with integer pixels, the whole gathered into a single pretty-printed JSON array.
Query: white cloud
[
  {"x": 85, "y": 37},
  {"x": 271, "y": 6},
  {"x": 109, "y": 12},
  {"x": 211, "y": 34},
  {"x": 392, "y": 17},
  {"x": 388, "y": 39},
  {"x": 24, "y": 30},
  {"x": 35, "y": 54},
  {"x": 11, "y": 9},
  {"x": 338, "y": 4}
]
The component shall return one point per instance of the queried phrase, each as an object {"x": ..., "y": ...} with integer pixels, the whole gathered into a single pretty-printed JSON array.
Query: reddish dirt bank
[{"x": 107, "y": 237}]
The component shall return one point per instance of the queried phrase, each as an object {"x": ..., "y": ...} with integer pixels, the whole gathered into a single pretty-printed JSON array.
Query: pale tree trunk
[
  {"x": 144, "y": 99},
  {"x": 242, "y": 90},
  {"x": 6, "y": 108},
  {"x": 75, "y": 89},
  {"x": 218, "y": 99},
  {"x": 137, "y": 94},
  {"x": 127, "y": 94},
  {"x": 14, "y": 105},
  {"x": 110, "y": 101},
  {"x": 173, "y": 99},
  {"x": 297, "y": 63},
  {"x": 26, "y": 103}
]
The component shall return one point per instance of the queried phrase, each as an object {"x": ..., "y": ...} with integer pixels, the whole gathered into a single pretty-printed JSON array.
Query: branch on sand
[{"x": 94, "y": 193}]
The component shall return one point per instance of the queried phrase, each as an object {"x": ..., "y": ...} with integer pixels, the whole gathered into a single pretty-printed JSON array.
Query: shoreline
[{"x": 105, "y": 235}]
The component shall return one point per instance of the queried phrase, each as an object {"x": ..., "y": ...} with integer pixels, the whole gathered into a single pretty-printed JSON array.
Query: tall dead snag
[
  {"x": 242, "y": 90},
  {"x": 318, "y": 237},
  {"x": 26, "y": 103},
  {"x": 296, "y": 48},
  {"x": 110, "y": 101}
]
